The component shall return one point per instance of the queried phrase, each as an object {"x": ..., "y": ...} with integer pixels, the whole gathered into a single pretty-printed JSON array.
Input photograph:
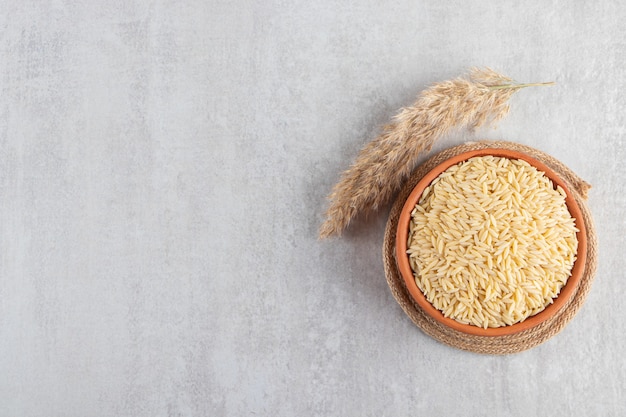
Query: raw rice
[{"x": 491, "y": 241}]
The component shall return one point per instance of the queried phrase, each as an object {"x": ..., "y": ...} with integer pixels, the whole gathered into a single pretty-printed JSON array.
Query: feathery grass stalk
[
  {"x": 505, "y": 86},
  {"x": 382, "y": 165}
]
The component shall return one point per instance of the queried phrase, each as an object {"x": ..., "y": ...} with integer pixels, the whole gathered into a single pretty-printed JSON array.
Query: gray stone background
[{"x": 163, "y": 173}]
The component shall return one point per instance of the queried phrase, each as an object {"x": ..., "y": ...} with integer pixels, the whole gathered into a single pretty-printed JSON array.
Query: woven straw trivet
[{"x": 498, "y": 345}]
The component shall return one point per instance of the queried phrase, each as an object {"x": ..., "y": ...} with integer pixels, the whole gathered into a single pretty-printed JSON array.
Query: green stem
[{"x": 505, "y": 86}]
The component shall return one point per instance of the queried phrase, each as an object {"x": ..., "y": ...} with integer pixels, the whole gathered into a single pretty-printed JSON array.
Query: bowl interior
[{"x": 402, "y": 235}]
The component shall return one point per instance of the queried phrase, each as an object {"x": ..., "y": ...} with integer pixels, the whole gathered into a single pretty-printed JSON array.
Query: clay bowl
[{"x": 567, "y": 292}]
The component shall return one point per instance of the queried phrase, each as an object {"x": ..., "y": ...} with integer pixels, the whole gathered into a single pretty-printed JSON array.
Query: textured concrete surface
[{"x": 163, "y": 172}]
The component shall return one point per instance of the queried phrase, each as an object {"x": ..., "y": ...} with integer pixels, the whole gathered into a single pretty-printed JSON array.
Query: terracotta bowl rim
[{"x": 567, "y": 292}]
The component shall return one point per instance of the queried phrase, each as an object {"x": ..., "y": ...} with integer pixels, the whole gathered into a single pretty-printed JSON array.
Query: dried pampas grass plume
[{"x": 383, "y": 164}]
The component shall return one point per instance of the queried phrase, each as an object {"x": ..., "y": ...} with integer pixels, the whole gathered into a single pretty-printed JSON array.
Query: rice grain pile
[{"x": 491, "y": 241}]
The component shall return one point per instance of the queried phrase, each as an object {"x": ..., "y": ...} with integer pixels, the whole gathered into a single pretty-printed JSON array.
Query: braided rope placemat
[{"x": 498, "y": 345}]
